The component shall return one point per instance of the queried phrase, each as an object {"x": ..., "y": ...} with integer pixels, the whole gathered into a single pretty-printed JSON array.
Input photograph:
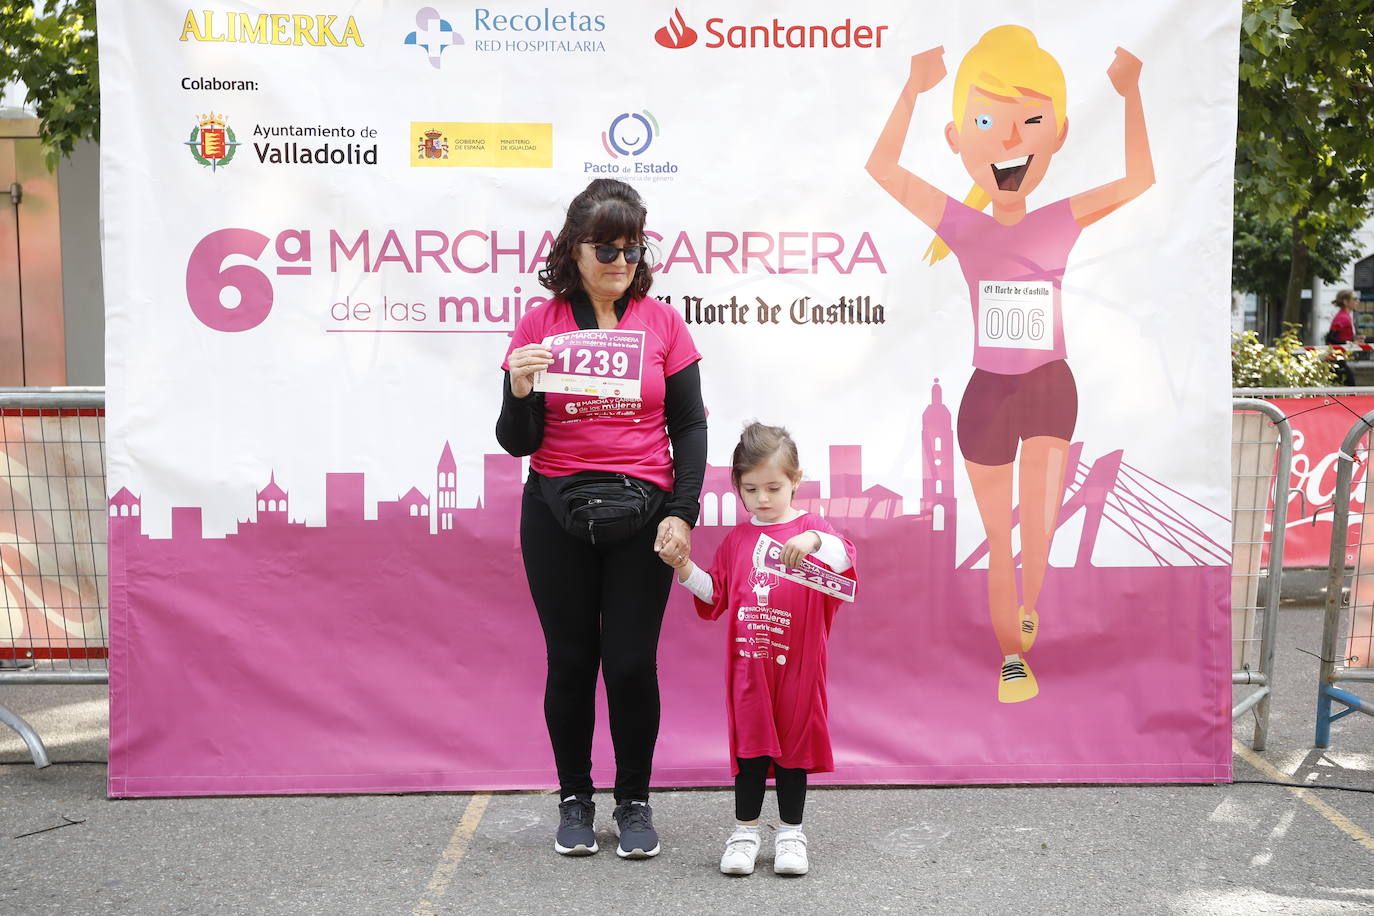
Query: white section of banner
[{"x": 766, "y": 141}]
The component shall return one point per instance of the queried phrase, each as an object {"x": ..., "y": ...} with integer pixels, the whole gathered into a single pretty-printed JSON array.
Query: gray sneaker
[
  {"x": 634, "y": 822},
  {"x": 576, "y": 835}
]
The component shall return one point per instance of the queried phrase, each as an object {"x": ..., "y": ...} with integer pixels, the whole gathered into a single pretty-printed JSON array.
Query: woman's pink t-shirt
[
  {"x": 775, "y": 650},
  {"x": 611, "y": 434}
]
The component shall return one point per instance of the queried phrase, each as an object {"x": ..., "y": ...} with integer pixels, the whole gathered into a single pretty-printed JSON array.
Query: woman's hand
[
  {"x": 1124, "y": 72},
  {"x": 674, "y": 542},
  {"x": 524, "y": 362},
  {"x": 799, "y": 548},
  {"x": 927, "y": 69}
]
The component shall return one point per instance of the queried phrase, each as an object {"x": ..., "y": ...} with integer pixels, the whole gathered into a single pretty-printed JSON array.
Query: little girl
[{"x": 775, "y": 678}]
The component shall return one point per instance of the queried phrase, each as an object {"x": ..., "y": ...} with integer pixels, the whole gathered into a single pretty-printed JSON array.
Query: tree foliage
[
  {"x": 1304, "y": 149},
  {"x": 54, "y": 55}
]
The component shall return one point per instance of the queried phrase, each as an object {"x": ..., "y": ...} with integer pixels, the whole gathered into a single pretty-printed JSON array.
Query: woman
[
  {"x": 600, "y": 602},
  {"x": 1342, "y": 332},
  {"x": 1009, "y": 122}
]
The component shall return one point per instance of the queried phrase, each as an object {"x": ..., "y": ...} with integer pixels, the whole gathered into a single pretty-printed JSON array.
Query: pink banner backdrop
[{"x": 322, "y": 226}]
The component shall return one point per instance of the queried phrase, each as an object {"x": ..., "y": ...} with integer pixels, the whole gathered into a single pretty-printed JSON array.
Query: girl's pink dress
[{"x": 775, "y": 651}]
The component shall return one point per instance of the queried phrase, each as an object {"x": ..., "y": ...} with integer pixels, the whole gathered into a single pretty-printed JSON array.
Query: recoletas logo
[
  {"x": 433, "y": 33},
  {"x": 676, "y": 34}
]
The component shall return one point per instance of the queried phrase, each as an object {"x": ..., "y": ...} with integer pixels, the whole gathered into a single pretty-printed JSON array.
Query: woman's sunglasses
[{"x": 607, "y": 254}]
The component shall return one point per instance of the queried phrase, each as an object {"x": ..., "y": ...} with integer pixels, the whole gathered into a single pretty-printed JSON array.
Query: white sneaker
[
  {"x": 789, "y": 853},
  {"x": 740, "y": 852}
]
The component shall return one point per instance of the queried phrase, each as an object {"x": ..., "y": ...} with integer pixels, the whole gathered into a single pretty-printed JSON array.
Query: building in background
[{"x": 52, "y": 307}]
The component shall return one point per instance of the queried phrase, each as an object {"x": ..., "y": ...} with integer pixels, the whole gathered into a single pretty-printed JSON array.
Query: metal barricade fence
[
  {"x": 54, "y": 524},
  {"x": 1261, "y": 467},
  {"x": 1348, "y": 638},
  {"x": 54, "y": 583}
]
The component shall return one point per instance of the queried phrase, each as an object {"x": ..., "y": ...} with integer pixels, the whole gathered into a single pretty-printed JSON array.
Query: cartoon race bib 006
[{"x": 1016, "y": 315}]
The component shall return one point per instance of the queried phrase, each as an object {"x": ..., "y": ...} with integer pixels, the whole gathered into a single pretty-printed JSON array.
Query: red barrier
[{"x": 1319, "y": 425}]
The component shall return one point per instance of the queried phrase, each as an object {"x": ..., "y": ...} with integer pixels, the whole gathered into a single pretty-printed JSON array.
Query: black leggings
[
  {"x": 749, "y": 784},
  {"x": 599, "y": 606}
]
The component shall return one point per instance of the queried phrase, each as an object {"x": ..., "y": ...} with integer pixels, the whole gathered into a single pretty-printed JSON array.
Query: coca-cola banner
[
  {"x": 974, "y": 257},
  {"x": 1319, "y": 427}
]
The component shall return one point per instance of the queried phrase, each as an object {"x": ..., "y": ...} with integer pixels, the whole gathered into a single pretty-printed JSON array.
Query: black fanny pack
[{"x": 601, "y": 507}]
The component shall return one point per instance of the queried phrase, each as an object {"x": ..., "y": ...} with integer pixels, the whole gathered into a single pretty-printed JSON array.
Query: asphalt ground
[{"x": 1222, "y": 849}]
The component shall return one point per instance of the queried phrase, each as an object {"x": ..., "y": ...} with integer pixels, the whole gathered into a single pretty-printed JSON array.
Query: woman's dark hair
[
  {"x": 606, "y": 210},
  {"x": 758, "y": 444}
]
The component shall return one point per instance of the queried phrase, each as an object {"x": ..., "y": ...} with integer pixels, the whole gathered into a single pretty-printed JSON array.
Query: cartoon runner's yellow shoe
[
  {"x": 1030, "y": 626},
  {"x": 1017, "y": 683}
]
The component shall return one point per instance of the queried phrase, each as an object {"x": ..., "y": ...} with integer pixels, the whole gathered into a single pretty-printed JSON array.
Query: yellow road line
[
  {"x": 457, "y": 848},
  {"x": 1345, "y": 824}
]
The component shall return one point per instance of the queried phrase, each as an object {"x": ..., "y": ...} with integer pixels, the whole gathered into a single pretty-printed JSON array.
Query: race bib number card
[
  {"x": 768, "y": 555},
  {"x": 1015, "y": 315},
  {"x": 601, "y": 364}
]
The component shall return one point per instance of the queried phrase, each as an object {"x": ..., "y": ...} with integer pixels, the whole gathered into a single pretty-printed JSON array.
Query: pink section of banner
[
  {"x": 371, "y": 656},
  {"x": 1319, "y": 425}
]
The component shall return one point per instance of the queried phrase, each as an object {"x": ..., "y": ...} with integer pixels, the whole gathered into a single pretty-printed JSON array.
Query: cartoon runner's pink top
[
  {"x": 775, "y": 665},
  {"x": 1014, "y": 275}
]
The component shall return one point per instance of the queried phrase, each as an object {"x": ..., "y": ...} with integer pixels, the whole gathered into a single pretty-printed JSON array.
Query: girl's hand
[
  {"x": 927, "y": 69},
  {"x": 799, "y": 548},
  {"x": 524, "y": 362},
  {"x": 674, "y": 542},
  {"x": 1124, "y": 72}
]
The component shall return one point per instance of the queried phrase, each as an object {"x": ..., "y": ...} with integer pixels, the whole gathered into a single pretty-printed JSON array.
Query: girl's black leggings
[
  {"x": 749, "y": 784},
  {"x": 601, "y": 607}
]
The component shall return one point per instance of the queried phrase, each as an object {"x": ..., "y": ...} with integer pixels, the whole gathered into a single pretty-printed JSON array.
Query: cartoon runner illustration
[{"x": 1009, "y": 121}]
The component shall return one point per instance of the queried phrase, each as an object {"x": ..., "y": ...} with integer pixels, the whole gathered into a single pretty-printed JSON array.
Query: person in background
[{"x": 1342, "y": 332}]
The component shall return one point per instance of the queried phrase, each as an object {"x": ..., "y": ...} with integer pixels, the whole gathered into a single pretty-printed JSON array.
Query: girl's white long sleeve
[
  {"x": 699, "y": 583},
  {"x": 831, "y": 552}
]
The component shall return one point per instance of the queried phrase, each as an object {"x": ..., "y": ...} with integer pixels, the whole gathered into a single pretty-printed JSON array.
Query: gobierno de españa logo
[{"x": 677, "y": 33}]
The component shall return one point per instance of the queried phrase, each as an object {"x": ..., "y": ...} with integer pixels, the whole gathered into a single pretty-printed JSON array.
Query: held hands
[
  {"x": 674, "y": 542},
  {"x": 524, "y": 362},
  {"x": 1124, "y": 72},
  {"x": 799, "y": 547},
  {"x": 927, "y": 69}
]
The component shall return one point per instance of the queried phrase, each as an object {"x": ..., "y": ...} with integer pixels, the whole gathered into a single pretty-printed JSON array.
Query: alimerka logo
[
  {"x": 776, "y": 34},
  {"x": 270, "y": 29},
  {"x": 676, "y": 34}
]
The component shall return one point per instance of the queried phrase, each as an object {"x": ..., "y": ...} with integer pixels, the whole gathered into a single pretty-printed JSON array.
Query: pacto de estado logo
[
  {"x": 434, "y": 34},
  {"x": 212, "y": 142},
  {"x": 630, "y": 134},
  {"x": 776, "y": 34},
  {"x": 317, "y": 30},
  {"x": 676, "y": 34}
]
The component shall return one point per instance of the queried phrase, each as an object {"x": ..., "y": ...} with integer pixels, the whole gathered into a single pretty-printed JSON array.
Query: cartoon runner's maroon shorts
[{"x": 998, "y": 411}]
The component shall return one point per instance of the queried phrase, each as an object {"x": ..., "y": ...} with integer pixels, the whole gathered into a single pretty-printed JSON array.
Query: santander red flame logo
[{"x": 676, "y": 34}]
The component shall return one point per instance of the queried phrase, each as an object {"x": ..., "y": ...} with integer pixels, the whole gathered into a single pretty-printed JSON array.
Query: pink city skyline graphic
[{"x": 1161, "y": 520}]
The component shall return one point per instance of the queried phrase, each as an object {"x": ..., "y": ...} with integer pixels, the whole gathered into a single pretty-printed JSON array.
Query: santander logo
[
  {"x": 676, "y": 34},
  {"x": 775, "y": 34}
]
